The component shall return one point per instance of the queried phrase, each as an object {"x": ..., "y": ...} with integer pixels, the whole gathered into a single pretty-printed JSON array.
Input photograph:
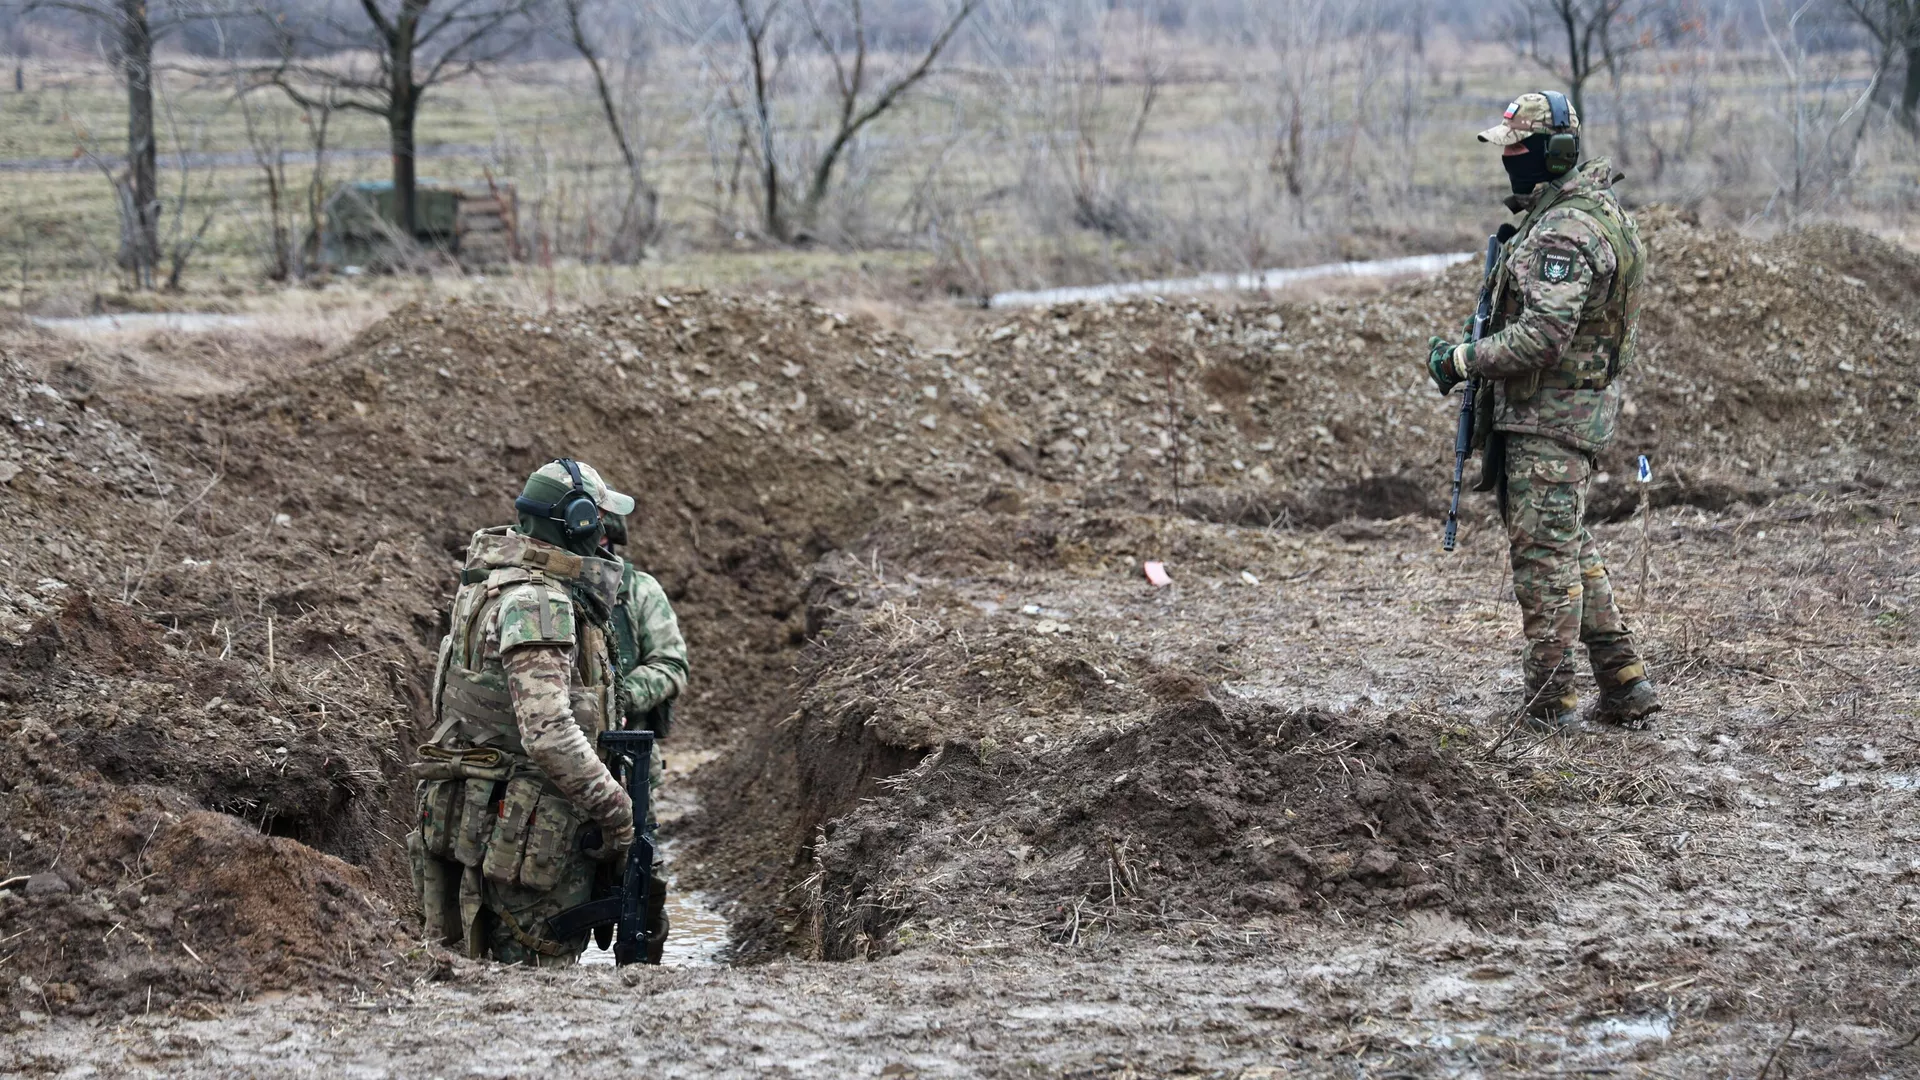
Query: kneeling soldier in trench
[
  {"x": 1566, "y": 298},
  {"x": 510, "y": 780}
]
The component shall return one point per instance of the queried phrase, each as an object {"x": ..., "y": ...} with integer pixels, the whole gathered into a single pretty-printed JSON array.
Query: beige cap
[
  {"x": 1529, "y": 115},
  {"x": 605, "y": 497}
]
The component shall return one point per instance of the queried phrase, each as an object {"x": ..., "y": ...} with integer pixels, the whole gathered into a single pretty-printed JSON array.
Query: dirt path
[{"x": 1431, "y": 997}]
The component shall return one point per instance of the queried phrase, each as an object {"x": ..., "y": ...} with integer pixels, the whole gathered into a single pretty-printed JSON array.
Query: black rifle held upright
[
  {"x": 1463, "y": 432},
  {"x": 625, "y": 907}
]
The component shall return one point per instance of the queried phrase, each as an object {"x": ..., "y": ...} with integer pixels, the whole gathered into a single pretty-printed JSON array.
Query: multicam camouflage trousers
[
  {"x": 494, "y": 911},
  {"x": 1558, "y": 577}
]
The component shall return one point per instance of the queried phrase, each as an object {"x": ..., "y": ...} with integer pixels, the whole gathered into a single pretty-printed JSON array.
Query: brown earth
[
  {"x": 1203, "y": 812},
  {"x": 218, "y": 612}
]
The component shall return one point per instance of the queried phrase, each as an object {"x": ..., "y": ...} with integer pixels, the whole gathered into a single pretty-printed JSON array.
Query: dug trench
[{"x": 944, "y": 712}]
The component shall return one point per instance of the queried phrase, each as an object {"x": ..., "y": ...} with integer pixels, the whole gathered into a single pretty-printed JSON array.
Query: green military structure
[{"x": 474, "y": 223}]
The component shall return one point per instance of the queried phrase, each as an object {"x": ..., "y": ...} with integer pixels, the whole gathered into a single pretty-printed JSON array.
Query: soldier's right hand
[{"x": 613, "y": 844}]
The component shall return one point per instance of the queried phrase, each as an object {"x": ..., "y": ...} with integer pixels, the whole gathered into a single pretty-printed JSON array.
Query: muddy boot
[
  {"x": 1551, "y": 711},
  {"x": 1631, "y": 706}
]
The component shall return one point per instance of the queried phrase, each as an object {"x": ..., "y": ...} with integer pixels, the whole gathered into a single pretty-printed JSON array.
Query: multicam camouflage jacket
[
  {"x": 649, "y": 651},
  {"x": 1567, "y": 298},
  {"x": 525, "y": 670}
]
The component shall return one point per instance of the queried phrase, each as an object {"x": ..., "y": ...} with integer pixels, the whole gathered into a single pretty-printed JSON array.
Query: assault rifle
[
  {"x": 1463, "y": 432},
  {"x": 624, "y": 906}
]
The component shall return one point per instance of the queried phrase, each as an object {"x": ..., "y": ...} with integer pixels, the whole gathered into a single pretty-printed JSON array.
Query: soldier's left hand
[{"x": 1442, "y": 365}]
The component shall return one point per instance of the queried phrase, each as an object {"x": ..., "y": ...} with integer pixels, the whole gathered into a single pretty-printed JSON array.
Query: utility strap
[{"x": 542, "y": 946}]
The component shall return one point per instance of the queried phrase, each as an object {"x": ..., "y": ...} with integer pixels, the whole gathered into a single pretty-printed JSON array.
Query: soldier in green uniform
[
  {"x": 510, "y": 780},
  {"x": 649, "y": 652},
  {"x": 1567, "y": 296},
  {"x": 650, "y": 671}
]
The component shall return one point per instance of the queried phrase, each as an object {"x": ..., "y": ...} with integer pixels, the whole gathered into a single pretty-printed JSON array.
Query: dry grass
[{"x": 969, "y": 187}]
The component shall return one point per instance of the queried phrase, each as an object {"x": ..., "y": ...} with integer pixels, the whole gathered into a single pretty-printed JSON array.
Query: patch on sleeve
[
  {"x": 1556, "y": 266},
  {"x": 535, "y": 614}
]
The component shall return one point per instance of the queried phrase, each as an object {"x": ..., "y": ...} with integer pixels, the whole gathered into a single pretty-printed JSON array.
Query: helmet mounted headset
[
  {"x": 1563, "y": 146},
  {"x": 576, "y": 512}
]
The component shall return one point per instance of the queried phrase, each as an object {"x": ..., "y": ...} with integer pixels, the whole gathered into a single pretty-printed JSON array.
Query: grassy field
[{"x": 984, "y": 180}]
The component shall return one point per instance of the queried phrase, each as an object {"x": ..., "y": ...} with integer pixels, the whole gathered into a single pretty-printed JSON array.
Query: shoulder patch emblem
[{"x": 1556, "y": 267}]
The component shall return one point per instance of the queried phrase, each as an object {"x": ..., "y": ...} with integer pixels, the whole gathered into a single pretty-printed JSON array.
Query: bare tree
[
  {"x": 1595, "y": 34},
  {"x": 414, "y": 46},
  {"x": 13, "y": 28},
  {"x": 640, "y": 213},
  {"x": 1823, "y": 155},
  {"x": 131, "y": 27},
  {"x": 840, "y": 31},
  {"x": 181, "y": 245},
  {"x": 1895, "y": 27},
  {"x": 1096, "y": 85}
]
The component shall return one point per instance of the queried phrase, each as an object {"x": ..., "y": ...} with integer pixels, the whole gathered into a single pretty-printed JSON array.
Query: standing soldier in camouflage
[
  {"x": 649, "y": 652},
  {"x": 511, "y": 785},
  {"x": 1566, "y": 298},
  {"x": 650, "y": 669}
]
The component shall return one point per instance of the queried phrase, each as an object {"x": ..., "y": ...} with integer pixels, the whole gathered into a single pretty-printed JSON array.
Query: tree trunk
[
  {"x": 1910, "y": 93},
  {"x": 136, "y": 59},
  {"x": 404, "y": 102},
  {"x": 400, "y": 136}
]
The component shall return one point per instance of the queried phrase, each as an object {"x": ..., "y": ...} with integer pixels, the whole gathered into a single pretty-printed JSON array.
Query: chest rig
[
  {"x": 548, "y": 591},
  {"x": 1603, "y": 340}
]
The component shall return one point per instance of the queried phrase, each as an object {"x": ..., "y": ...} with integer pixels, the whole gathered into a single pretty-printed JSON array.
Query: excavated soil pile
[
  {"x": 1764, "y": 365},
  {"x": 128, "y": 722},
  {"x": 1204, "y": 813},
  {"x": 264, "y": 571}
]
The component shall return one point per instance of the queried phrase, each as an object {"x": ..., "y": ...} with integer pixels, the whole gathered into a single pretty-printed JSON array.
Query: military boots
[
  {"x": 1631, "y": 706},
  {"x": 1551, "y": 710}
]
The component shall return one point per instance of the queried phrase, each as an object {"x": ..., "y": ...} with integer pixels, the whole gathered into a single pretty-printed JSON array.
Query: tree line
[{"x": 385, "y": 58}]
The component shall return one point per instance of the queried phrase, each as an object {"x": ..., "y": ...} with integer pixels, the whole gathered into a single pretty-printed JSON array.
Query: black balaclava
[{"x": 1529, "y": 170}]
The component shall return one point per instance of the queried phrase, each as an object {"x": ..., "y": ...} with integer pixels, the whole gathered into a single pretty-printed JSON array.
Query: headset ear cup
[
  {"x": 580, "y": 516},
  {"x": 1563, "y": 153}
]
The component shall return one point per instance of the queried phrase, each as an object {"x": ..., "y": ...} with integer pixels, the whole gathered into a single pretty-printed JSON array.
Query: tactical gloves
[
  {"x": 612, "y": 845},
  {"x": 1446, "y": 363}
]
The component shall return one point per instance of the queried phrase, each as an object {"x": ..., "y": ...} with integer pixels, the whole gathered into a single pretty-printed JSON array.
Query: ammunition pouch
[
  {"x": 437, "y": 883},
  {"x": 551, "y": 836},
  {"x": 508, "y": 840},
  {"x": 534, "y": 835}
]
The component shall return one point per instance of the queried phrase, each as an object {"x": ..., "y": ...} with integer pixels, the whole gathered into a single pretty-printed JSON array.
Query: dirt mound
[
  {"x": 128, "y": 714},
  {"x": 1201, "y": 813},
  {"x": 264, "y": 572},
  {"x": 141, "y": 899}
]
